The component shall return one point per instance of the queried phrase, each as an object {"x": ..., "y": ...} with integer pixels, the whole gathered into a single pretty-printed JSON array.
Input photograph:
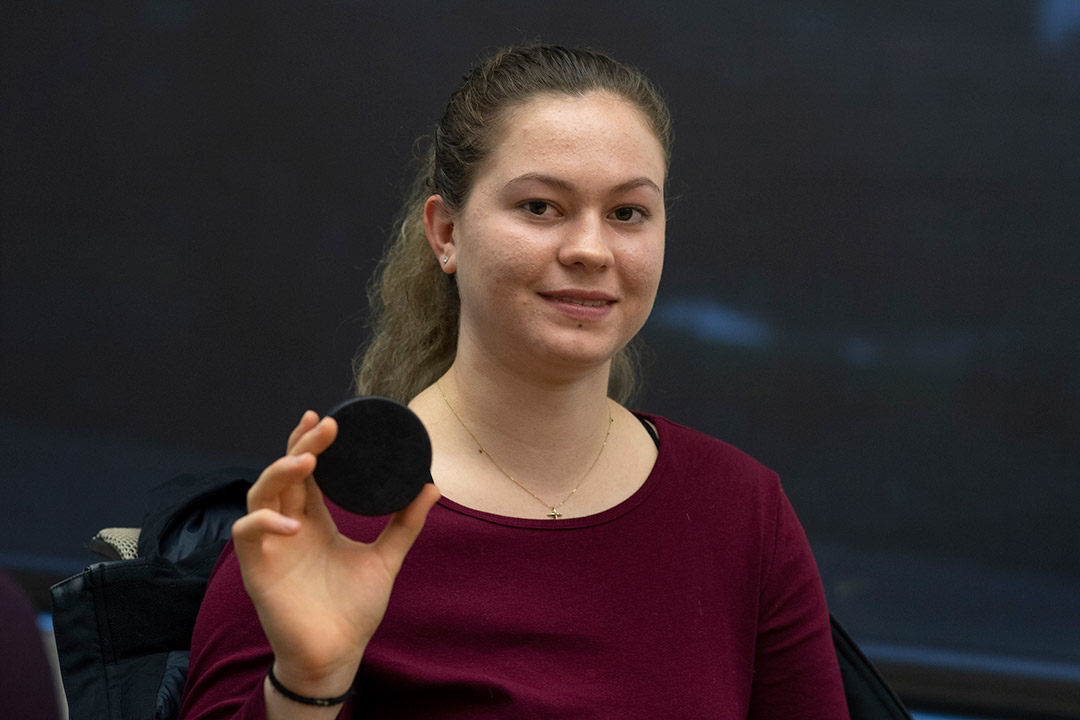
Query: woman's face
[{"x": 559, "y": 246}]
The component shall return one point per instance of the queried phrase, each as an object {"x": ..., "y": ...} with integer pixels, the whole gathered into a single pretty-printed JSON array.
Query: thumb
[{"x": 404, "y": 527}]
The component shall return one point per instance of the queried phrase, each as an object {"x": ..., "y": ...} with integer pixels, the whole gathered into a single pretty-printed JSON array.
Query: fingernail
[{"x": 288, "y": 524}]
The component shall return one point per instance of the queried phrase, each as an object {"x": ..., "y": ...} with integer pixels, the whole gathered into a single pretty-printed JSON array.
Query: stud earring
[{"x": 445, "y": 259}]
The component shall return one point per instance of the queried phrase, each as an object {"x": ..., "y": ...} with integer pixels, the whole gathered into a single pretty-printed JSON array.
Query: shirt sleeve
[
  {"x": 795, "y": 668},
  {"x": 229, "y": 652}
]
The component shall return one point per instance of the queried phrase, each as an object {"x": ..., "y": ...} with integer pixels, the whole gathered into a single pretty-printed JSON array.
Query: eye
[
  {"x": 537, "y": 207},
  {"x": 628, "y": 214}
]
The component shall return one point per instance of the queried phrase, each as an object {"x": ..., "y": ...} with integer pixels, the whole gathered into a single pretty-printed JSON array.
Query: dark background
[{"x": 871, "y": 281}]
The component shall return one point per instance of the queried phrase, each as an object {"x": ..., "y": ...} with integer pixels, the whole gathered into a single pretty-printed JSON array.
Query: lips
[
  {"x": 581, "y": 304},
  {"x": 588, "y": 298}
]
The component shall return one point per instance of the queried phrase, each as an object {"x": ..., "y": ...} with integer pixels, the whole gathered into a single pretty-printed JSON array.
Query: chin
[{"x": 581, "y": 352}]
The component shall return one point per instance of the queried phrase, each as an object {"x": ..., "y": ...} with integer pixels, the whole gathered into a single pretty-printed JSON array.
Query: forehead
[{"x": 595, "y": 134}]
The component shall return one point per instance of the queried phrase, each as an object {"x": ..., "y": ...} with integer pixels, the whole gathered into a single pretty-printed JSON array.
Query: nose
[{"x": 586, "y": 244}]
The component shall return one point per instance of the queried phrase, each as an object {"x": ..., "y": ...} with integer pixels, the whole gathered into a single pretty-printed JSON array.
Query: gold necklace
[{"x": 554, "y": 513}]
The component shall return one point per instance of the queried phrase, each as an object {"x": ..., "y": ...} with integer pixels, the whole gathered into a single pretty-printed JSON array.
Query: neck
[
  {"x": 528, "y": 407},
  {"x": 545, "y": 434}
]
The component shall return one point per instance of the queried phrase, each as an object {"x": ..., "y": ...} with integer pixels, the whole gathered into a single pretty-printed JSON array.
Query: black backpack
[{"x": 123, "y": 626}]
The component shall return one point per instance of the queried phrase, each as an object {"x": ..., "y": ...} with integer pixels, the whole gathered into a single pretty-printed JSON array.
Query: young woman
[{"x": 582, "y": 560}]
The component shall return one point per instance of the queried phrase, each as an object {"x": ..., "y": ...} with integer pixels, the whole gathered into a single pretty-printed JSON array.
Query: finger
[
  {"x": 316, "y": 505},
  {"x": 317, "y": 438},
  {"x": 307, "y": 421},
  {"x": 401, "y": 532},
  {"x": 254, "y": 526},
  {"x": 283, "y": 476}
]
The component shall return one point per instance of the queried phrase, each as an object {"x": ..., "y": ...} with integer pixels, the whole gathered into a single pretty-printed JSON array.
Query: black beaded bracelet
[{"x": 320, "y": 702}]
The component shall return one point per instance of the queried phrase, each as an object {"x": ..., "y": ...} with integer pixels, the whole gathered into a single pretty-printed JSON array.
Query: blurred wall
[{"x": 871, "y": 281}]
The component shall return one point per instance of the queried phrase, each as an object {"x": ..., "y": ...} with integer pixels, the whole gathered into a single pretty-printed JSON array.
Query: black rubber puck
[{"x": 380, "y": 460}]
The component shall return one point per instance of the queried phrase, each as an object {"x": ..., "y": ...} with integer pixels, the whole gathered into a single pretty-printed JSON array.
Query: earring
[{"x": 445, "y": 259}]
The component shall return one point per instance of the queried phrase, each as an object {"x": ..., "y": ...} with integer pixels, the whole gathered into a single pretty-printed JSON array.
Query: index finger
[
  {"x": 307, "y": 421},
  {"x": 316, "y": 438}
]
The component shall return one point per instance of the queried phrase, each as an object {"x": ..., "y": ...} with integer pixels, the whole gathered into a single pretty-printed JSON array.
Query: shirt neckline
[{"x": 604, "y": 516}]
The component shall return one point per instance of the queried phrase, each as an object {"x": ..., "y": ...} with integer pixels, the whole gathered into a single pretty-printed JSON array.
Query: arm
[
  {"x": 795, "y": 668},
  {"x": 318, "y": 596}
]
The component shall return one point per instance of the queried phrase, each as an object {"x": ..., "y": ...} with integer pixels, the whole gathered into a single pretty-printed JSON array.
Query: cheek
[
  {"x": 502, "y": 250},
  {"x": 643, "y": 267},
  {"x": 494, "y": 273}
]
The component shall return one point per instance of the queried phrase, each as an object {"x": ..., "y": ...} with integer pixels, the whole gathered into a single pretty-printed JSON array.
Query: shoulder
[
  {"x": 700, "y": 472},
  {"x": 689, "y": 451}
]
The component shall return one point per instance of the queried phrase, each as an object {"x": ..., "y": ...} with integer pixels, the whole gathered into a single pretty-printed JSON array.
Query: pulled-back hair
[{"x": 414, "y": 305}]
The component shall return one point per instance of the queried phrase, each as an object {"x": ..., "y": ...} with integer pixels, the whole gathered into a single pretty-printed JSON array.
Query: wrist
[
  {"x": 330, "y": 684},
  {"x": 317, "y": 700}
]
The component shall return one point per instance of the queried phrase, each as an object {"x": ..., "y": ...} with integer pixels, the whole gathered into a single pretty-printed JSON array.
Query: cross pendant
[{"x": 554, "y": 514}]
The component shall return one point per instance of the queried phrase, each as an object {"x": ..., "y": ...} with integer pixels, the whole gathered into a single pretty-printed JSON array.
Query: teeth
[{"x": 587, "y": 303}]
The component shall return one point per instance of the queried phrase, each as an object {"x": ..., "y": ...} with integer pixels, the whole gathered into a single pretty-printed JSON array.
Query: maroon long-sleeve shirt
[{"x": 696, "y": 597}]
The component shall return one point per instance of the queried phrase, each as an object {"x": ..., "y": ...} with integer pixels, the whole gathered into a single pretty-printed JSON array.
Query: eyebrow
[{"x": 560, "y": 184}]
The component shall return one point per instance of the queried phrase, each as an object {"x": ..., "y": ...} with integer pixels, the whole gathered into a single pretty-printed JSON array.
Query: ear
[{"x": 439, "y": 227}]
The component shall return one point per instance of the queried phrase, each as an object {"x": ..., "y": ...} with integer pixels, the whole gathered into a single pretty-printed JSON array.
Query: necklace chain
[{"x": 554, "y": 513}]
